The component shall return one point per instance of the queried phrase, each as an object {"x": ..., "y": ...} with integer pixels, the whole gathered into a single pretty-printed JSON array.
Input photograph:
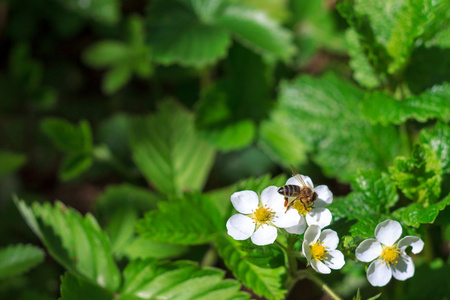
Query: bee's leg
[
  {"x": 286, "y": 201},
  {"x": 289, "y": 206},
  {"x": 304, "y": 205}
]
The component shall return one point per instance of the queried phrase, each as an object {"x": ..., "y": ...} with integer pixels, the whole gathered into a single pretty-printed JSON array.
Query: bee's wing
[{"x": 297, "y": 175}]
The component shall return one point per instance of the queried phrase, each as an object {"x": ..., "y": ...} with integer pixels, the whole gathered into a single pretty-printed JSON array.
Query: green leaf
[
  {"x": 147, "y": 279},
  {"x": 188, "y": 220},
  {"x": 10, "y": 162},
  {"x": 168, "y": 151},
  {"x": 412, "y": 21},
  {"x": 116, "y": 78},
  {"x": 179, "y": 36},
  {"x": 363, "y": 71},
  {"x": 121, "y": 228},
  {"x": 74, "y": 164},
  {"x": 76, "y": 242},
  {"x": 106, "y": 53},
  {"x": 257, "y": 31},
  {"x": 370, "y": 201},
  {"x": 231, "y": 137},
  {"x": 18, "y": 259},
  {"x": 67, "y": 137},
  {"x": 264, "y": 282},
  {"x": 416, "y": 214},
  {"x": 280, "y": 144},
  {"x": 439, "y": 141},
  {"x": 75, "y": 288},
  {"x": 419, "y": 177},
  {"x": 144, "y": 248},
  {"x": 105, "y": 11},
  {"x": 269, "y": 256},
  {"x": 379, "y": 107},
  {"x": 324, "y": 113}
]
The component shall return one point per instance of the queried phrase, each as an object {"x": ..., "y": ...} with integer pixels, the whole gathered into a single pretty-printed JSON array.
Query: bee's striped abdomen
[{"x": 289, "y": 190}]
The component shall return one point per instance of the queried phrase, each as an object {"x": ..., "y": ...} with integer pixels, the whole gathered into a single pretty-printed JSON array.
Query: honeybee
[{"x": 304, "y": 193}]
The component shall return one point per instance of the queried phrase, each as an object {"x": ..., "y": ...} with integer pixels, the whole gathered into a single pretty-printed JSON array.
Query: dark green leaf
[
  {"x": 105, "y": 11},
  {"x": 264, "y": 282},
  {"x": 416, "y": 214},
  {"x": 378, "y": 107},
  {"x": 231, "y": 137},
  {"x": 75, "y": 242},
  {"x": 74, "y": 164},
  {"x": 324, "y": 113},
  {"x": 144, "y": 248},
  {"x": 67, "y": 137},
  {"x": 18, "y": 259},
  {"x": 147, "y": 279},
  {"x": 188, "y": 220},
  {"x": 76, "y": 288},
  {"x": 121, "y": 228},
  {"x": 168, "y": 151},
  {"x": 257, "y": 31},
  {"x": 439, "y": 141},
  {"x": 178, "y": 35},
  {"x": 10, "y": 162},
  {"x": 419, "y": 177}
]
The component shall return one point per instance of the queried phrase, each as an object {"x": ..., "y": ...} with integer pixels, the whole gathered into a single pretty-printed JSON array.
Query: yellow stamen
[
  {"x": 318, "y": 251},
  {"x": 390, "y": 254},
  {"x": 262, "y": 215},
  {"x": 300, "y": 208}
]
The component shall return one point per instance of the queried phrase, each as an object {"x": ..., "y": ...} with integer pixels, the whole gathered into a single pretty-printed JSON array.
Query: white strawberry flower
[
  {"x": 259, "y": 219},
  {"x": 388, "y": 258},
  {"x": 315, "y": 214},
  {"x": 319, "y": 248}
]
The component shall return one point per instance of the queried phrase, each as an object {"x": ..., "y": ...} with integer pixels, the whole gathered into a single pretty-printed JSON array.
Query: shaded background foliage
[{"x": 150, "y": 114}]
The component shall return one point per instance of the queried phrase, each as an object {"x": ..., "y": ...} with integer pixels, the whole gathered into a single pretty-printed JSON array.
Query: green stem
[
  {"x": 307, "y": 274},
  {"x": 210, "y": 257}
]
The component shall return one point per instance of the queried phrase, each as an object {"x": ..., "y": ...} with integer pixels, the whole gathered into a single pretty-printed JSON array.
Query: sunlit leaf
[
  {"x": 144, "y": 248},
  {"x": 168, "y": 151},
  {"x": 187, "y": 220},
  {"x": 76, "y": 242},
  {"x": 434, "y": 103},
  {"x": 264, "y": 282},
  {"x": 147, "y": 279},
  {"x": 105, "y": 11},
  {"x": 439, "y": 141},
  {"x": 18, "y": 259}
]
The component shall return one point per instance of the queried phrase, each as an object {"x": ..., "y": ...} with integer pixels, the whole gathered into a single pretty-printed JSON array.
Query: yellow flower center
[
  {"x": 318, "y": 251},
  {"x": 298, "y": 205},
  {"x": 262, "y": 215},
  {"x": 390, "y": 255}
]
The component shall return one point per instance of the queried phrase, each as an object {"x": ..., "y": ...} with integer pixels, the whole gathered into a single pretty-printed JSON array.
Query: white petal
[
  {"x": 312, "y": 234},
  {"x": 335, "y": 259},
  {"x": 325, "y": 196},
  {"x": 299, "y": 228},
  {"x": 288, "y": 219},
  {"x": 264, "y": 235},
  {"x": 329, "y": 238},
  {"x": 320, "y": 267},
  {"x": 413, "y": 241},
  {"x": 388, "y": 232},
  {"x": 273, "y": 199},
  {"x": 295, "y": 181},
  {"x": 306, "y": 250},
  {"x": 404, "y": 269},
  {"x": 240, "y": 227},
  {"x": 245, "y": 201},
  {"x": 379, "y": 274},
  {"x": 368, "y": 250},
  {"x": 319, "y": 216}
]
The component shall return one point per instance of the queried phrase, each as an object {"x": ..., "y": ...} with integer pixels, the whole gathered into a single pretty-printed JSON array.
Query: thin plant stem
[{"x": 307, "y": 274}]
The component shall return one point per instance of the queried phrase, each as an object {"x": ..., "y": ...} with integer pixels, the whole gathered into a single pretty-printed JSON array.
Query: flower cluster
[{"x": 262, "y": 218}]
